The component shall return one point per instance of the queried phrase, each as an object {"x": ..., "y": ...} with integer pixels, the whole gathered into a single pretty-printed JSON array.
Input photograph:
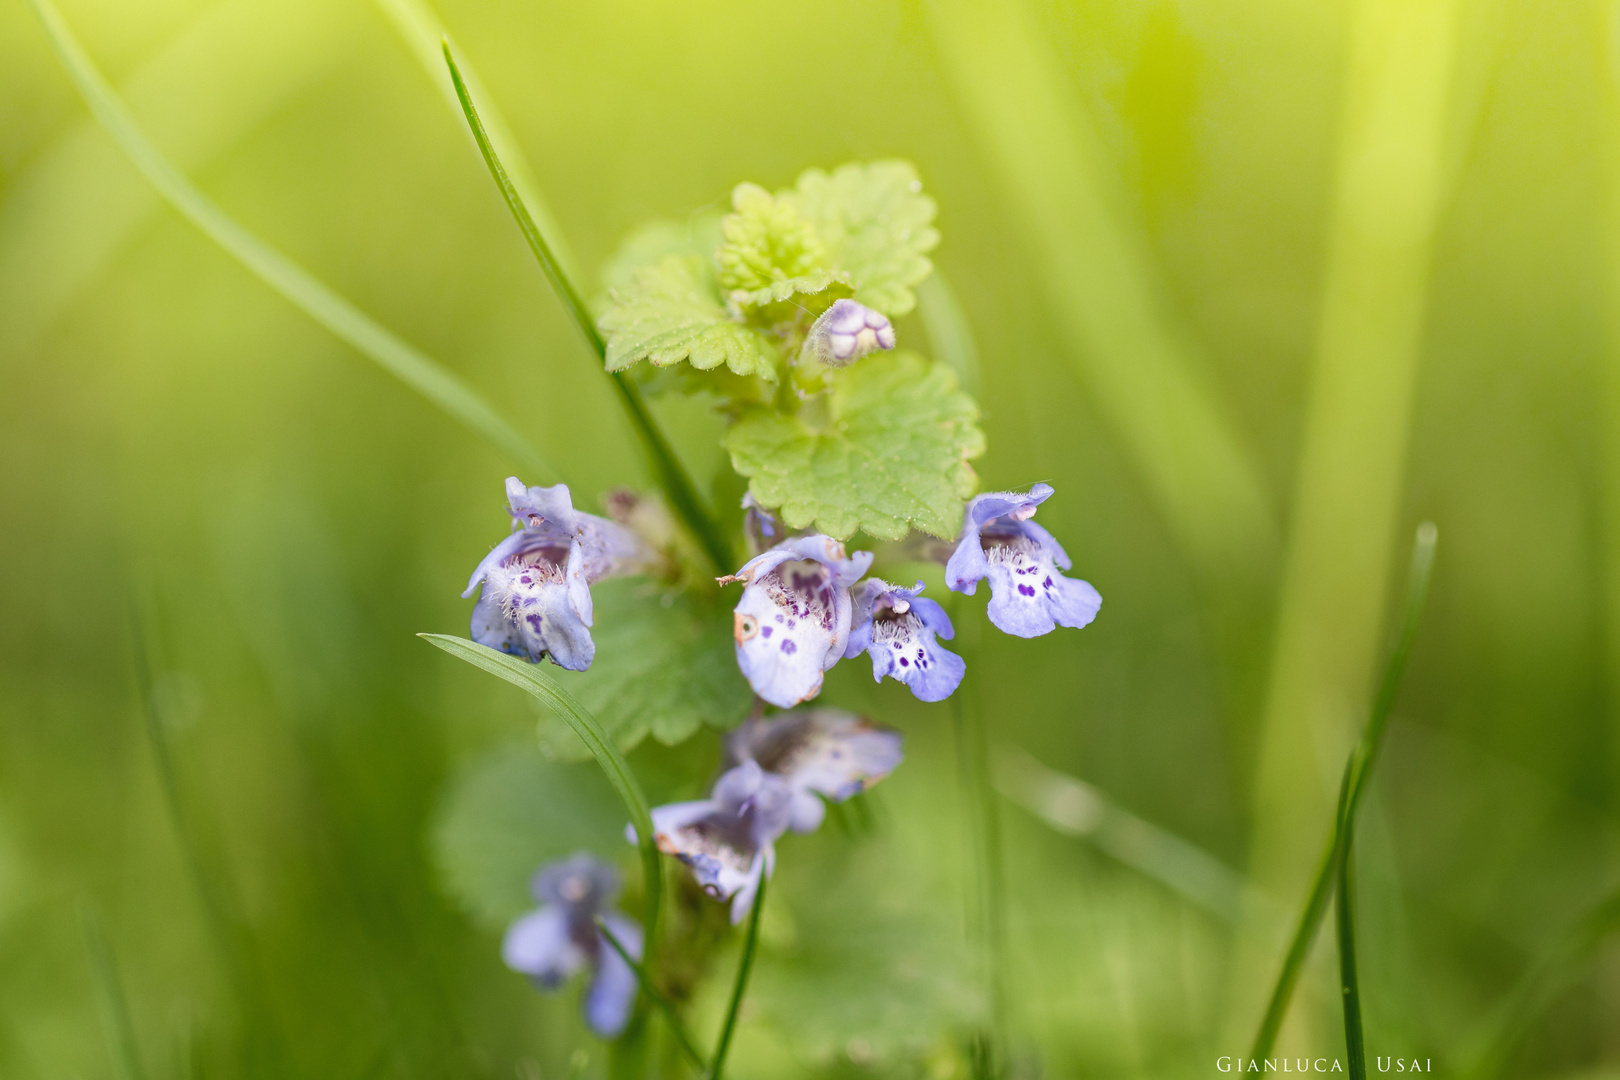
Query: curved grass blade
[
  {"x": 744, "y": 966},
  {"x": 110, "y": 994},
  {"x": 420, "y": 27},
  {"x": 1356, "y": 773},
  {"x": 678, "y": 487},
  {"x": 407, "y": 364},
  {"x": 544, "y": 686},
  {"x": 675, "y": 1026},
  {"x": 1349, "y": 982}
]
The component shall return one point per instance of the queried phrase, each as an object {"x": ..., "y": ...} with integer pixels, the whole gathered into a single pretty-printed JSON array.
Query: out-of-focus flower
[
  {"x": 793, "y": 620},
  {"x": 897, "y": 629},
  {"x": 536, "y": 599},
  {"x": 818, "y": 752},
  {"x": 763, "y": 529},
  {"x": 551, "y": 944},
  {"x": 729, "y": 838},
  {"x": 846, "y": 332},
  {"x": 1028, "y": 597}
]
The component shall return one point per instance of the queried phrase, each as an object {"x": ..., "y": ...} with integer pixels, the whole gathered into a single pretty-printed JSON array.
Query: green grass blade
[
  {"x": 543, "y": 685},
  {"x": 744, "y": 965},
  {"x": 1355, "y": 781},
  {"x": 675, "y": 1026},
  {"x": 422, "y": 31},
  {"x": 1349, "y": 982},
  {"x": 671, "y": 474},
  {"x": 110, "y": 995},
  {"x": 407, "y": 364}
]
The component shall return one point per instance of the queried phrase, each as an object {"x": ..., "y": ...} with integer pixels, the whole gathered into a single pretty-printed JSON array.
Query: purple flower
[
  {"x": 728, "y": 840},
  {"x": 846, "y": 332},
  {"x": 897, "y": 629},
  {"x": 819, "y": 753},
  {"x": 1028, "y": 597},
  {"x": 763, "y": 529},
  {"x": 536, "y": 599},
  {"x": 551, "y": 944},
  {"x": 793, "y": 620}
]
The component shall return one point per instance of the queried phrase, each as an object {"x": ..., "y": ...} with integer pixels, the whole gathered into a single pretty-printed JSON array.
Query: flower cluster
[
  {"x": 778, "y": 772},
  {"x": 561, "y": 937},
  {"x": 805, "y": 607}
]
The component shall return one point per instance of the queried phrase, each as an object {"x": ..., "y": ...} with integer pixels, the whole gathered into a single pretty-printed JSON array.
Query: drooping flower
[
  {"x": 1028, "y": 597},
  {"x": 847, "y": 331},
  {"x": 818, "y": 752},
  {"x": 728, "y": 840},
  {"x": 536, "y": 598},
  {"x": 897, "y": 628},
  {"x": 561, "y": 938},
  {"x": 793, "y": 620}
]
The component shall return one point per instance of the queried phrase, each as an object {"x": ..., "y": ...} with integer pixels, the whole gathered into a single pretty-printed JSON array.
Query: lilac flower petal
[
  {"x": 933, "y": 616},
  {"x": 723, "y": 838},
  {"x": 541, "y": 946},
  {"x": 808, "y": 812},
  {"x": 826, "y": 751},
  {"x": 581, "y": 882},
  {"x": 845, "y": 332},
  {"x": 1031, "y": 600},
  {"x": 793, "y": 620},
  {"x": 612, "y": 991},
  {"x": 897, "y": 629}
]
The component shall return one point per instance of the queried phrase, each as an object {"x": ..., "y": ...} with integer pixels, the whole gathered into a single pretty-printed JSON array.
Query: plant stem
[
  {"x": 110, "y": 991},
  {"x": 744, "y": 965},
  {"x": 658, "y": 999},
  {"x": 1357, "y": 771},
  {"x": 671, "y": 474},
  {"x": 1349, "y": 984}
]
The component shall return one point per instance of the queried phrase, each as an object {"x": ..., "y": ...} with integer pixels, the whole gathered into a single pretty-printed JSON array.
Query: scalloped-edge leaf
[
  {"x": 884, "y": 450},
  {"x": 670, "y": 311}
]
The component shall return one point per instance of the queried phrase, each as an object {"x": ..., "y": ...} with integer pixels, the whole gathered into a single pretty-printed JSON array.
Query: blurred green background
[{"x": 1257, "y": 285}]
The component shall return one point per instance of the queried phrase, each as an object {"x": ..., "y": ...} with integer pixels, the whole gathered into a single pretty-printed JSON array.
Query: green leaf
[
  {"x": 671, "y": 311},
  {"x": 771, "y": 250},
  {"x": 699, "y": 234},
  {"x": 510, "y": 812},
  {"x": 877, "y": 226},
  {"x": 665, "y": 666},
  {"x": 886, "y": 448}
]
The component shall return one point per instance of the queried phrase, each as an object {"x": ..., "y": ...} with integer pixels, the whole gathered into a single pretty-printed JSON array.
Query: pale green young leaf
[
  {"x": 664, "y": 667},
  {"x": 510, "y": 812},
  {"x": 877, "y": 227},
  {"x": 698, "y": 234},
  {"x": 884, "y": 450},
  {"x": 771, "y": 250},
  {"x": 669, "y": 311}
]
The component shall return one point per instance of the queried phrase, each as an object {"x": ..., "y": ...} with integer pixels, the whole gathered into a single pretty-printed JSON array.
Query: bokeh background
[{"x": 1257, "y": 285}]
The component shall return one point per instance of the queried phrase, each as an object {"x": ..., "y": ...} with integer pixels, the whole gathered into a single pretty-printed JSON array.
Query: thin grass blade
[
  {"x": 110, "y": 994},
  {"x": 744, "y": 965},
  {"x": 420, "y": 27},
  {"x": 309, "y": 295},
  {"x": 1355, "y": 781},
  {"x": 949, "y": 332},
  {"x": 544, "y": 686},
  {"x": 671, "y": 474},
  {"x": 1350, "y": 983},
  {"x": 675, "y": 1026}
]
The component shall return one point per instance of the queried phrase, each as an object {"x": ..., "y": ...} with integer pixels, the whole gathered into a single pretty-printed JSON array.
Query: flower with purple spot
[
  {"x": 821, "y": 754},
  {"x": 1028, "y": 597},
  {"x": 536, "y": 598},
  {"x": 728, "y": 840},
  {"x": 845, "y": 332},
  {"x": 551, "y": 944},
  {"x": 793, "y": 620},
  {"x": 897, "y": 629}
]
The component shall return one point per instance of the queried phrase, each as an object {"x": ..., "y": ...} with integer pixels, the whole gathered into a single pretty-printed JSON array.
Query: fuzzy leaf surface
[
  {"x": 884, "y": 450},
  {"x": 671, "y": 311},
  {"x": 877, "y": 227}
]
